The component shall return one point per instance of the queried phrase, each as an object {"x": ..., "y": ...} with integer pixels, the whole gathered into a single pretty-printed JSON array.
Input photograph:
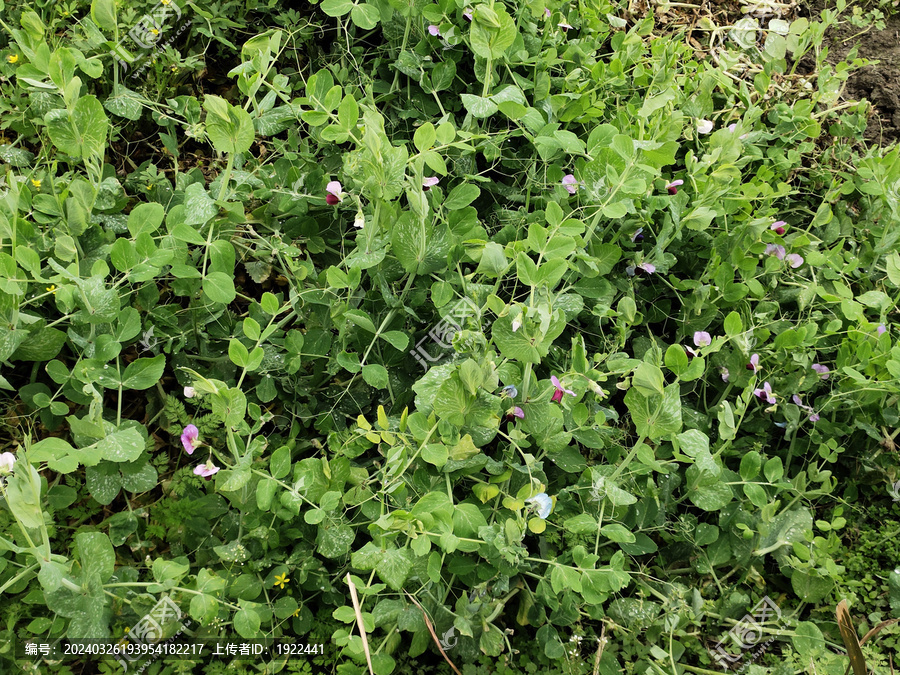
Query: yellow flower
[
  {"x": 36, "y": 183},
  {"x": 51, "y": 289},
  {"x": 13, "y": 58},
  {"x": 127, "y": 629},
  {"x": 297, "y": 612},
  {"x": 150, "y": 187},
  {"x": 166, "y": 2},
  {"x": 281, "y": 580},
  {"x": 154, "y": 31}
]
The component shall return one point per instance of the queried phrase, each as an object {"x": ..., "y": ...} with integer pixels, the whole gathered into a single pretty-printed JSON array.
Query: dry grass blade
[
  {"x": 359, "y": 622},
  {"x": 433, "y": 634},
  {"x": 875, "y": 631},
  {"x": 851, "y": 639}
]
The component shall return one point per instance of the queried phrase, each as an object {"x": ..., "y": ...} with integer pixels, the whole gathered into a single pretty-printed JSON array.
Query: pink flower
[
  {"x": 638, "y": 236},
  {"x": 778, "y": 226},
  {"x": 434, "y": 30},
  {"x": 821, "y": 370},
  {"x": 794, "y": 260},
  {"x": 518, "y": 412},
  {"x": 547, "y": 12},
  {"x": 468, "y": 15},
  {"x": 645, "y": 268},
  {"x": 190, "y": 438},
  {"x": 723, "y": 371},
  {"x": 776, "y": 250},
  {"x": 732, "y": 127},
  {"x": 558, "y": 394},
  {"x": 564, "y": 26},
  {"x": 702, "y": 338},
  {"x": 673, "y": 186},
  {"x": 798, "y": 401},
  {"x": 430, "y": 182},
  {"x": 754, "y": 363},
  {"x": 882, "y": 329},
  {"x": 766, "y": 393},
  {"x": 335, "y": 193},
  {"x": 206, "y": 470},
  {"x": 570, "y": 183}
]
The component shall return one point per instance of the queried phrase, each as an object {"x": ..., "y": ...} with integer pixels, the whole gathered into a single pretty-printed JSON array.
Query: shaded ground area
[{"x": 880, "y": 83}]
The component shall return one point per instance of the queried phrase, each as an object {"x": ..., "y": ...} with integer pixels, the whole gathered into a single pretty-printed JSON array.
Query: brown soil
[{"x": 879, "y": 83}]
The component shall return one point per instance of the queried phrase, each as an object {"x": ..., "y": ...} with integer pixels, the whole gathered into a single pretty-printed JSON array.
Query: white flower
[
  {"x": 704, "y": 126},
  {"x": 516, "y": 324},
  {"x": 360, "y": 220},
  {"x": 545, "y": 504},
  {"x": 189, "y": 392},
  {"x": 7, "y": 459}
]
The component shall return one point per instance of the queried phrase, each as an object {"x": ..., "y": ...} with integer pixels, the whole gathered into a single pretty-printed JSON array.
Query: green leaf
[
  {"x": 336, "y": 8},
  {"x": 103, "y": 12},
  {"x": 648, "y": 379},
  {"x": 246, "y": 622},
  {"x": 514, "y": 345},
  {"x": 398, "y": 339},
  {"x": 124, "y": 445},
  {"x": 365, "y": 16},
  {"x": 488, "y": 41},
  {"x": 733, "y": 324},
  {"x": 676, "y": 359},
  {"x": 335, "y": 541},
  {"x": 229, "y": 128},
  {"x": 375, "y": 375},
  {"x": 424, "y": 137},
  {"x": 125, "y": 103},
  {"x": 461, "y": 196},
  {"x": 477, "y": 106},
  {"x": 198, "y": 207},
  {"x": 219, "y": 287},
  {"x": 80, "y": 132},
  {"x": 144, "y": 373}
]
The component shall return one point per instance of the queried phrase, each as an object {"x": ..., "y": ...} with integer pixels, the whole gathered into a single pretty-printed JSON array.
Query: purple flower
[
  {"x": 189, "y": 438},
  {"x": 335, "y": 193},
  {"x": 430, "y": 182},
  {"x": 558, "y": 394},
  {"x": 547, "y": 12},
  {"x": 798, "y": 401},
  {"x": 732, "y": 127},
  {"x": 725, "y": 374},
  {"x": 794, "y": 260},
  {"x": 882, "y": 329},
  {"x": 570, "y": 183},
  {"x": 778, "y": 226},
  {"x": 776, "y": 250},
  {"x": 673, "y": 186},
  {"x": 434, "y": 30},
  {"x": 468, "y": 15},
  {"x": 647, "y": 267},
  {"x": 564, "y": 26},
  {"x": 518, "y": 412},
  {"x": 206, "y": 470},
  {"x": 821, "y": 370},
  {"x": 702, "y": 338},
  {"x": 638, "y": 236},
  {"x": 765, "y": 392},
  {"x": 754, "y": 363}
]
